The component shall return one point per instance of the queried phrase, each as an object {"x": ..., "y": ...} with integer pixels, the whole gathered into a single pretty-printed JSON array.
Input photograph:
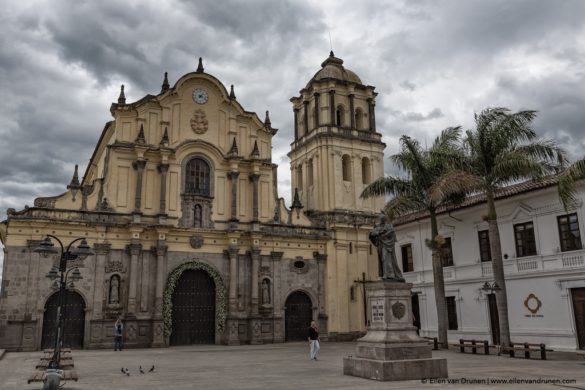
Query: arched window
[
  {"x": 300, "y": 177},
  {"x": 358, "y": 118},
  {"x": 197, "y": 177},
  {"x": 366, "y": 168},
  {"x": 197, "y": 216},
  {"x": 346, "y": 167},
  {"x": 339, "y": 114},
  {"x": 310, "y": 172}
]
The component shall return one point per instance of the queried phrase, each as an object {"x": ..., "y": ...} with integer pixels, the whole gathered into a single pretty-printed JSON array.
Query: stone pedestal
[{"x": 391, "y": 350}]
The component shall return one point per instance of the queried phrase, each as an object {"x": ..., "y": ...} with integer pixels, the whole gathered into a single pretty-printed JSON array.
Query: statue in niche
[
  {"x": 266, "y": 292},
  {"x": 114, "y": 290},
  {"x": 384, "y": 238}
]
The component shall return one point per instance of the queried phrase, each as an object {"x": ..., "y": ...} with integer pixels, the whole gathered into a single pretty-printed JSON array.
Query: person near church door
[
  {"x": 118, "y": 335},
  {"x": 314, "y": 341}
]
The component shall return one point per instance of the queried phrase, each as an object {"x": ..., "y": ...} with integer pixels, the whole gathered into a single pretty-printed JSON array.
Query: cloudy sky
[{"x": 434, "y": 64}]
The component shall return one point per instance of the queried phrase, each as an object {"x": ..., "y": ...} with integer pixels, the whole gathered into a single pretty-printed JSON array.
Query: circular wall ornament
[
  {"x": 196, "y": 242},
  {"x": 398, "y": 310},
  {"x": 532, "y": 303}
]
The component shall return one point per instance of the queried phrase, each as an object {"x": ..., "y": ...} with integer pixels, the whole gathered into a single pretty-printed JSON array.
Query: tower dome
[{"x": 332, "y": 68}]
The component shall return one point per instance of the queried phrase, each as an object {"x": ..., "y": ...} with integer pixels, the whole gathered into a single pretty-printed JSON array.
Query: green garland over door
[{"x": 220, "y": 294}]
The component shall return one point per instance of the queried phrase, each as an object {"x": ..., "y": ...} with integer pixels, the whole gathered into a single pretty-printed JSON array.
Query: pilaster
[
  {"x": 101, "y": 253},
  {"x": 135, "y": 248}
]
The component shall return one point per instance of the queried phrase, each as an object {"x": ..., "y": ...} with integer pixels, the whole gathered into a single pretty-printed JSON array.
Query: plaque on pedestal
[{"x": 391, "y": 350}]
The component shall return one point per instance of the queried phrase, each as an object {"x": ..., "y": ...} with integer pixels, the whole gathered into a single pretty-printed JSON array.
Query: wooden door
[
  {"x": 298, "y": 316},
  {"x": 578, "y": 295},
  {"x": 73, "y": 321},
  {"x": 193, "y": 312}
]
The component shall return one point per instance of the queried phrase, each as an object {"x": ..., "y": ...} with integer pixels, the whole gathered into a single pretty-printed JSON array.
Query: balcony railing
[{"x": 560, "y": 261}]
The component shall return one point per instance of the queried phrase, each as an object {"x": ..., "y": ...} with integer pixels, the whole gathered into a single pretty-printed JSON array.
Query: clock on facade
[{"x": 200, "y": 96}]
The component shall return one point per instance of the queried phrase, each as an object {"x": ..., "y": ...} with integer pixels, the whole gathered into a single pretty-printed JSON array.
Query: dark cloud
[{"x": 433, "y": 64}]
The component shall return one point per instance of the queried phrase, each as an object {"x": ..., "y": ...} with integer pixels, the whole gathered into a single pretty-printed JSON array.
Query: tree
[
  {"x": 568, "y": 180},
  {"x": 502, "y": 149},
  {"x": 424, "y": 167}
]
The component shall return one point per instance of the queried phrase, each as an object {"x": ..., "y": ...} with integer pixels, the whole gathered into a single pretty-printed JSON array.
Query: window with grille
[
  {"x": 452, "y": 313},
  {"x": 446, "y": 253},
  {"x": 485, "y": 253},
  {"x": 407, "y": 263},
  {"x": 569, "y": 234},
  {"x": 524, "y": 239},
  {"x": 197, "y": 177}
]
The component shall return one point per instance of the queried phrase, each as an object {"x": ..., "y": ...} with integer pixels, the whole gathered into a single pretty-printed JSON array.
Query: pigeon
[
  {"x": 140, "y": 369},
  {"x": 122, "y": 369},
  {"x": 151, "y": 368},
  {"x": 127, "y": 372}
]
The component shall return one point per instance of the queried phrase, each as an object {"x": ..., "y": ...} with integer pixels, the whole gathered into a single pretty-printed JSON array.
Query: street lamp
[
  {"x": 46, "y": 248},
  {"x": 491, "y": 287}
]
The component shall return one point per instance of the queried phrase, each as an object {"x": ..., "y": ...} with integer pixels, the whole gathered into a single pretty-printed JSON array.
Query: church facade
[{"x": 191, "y": 241}]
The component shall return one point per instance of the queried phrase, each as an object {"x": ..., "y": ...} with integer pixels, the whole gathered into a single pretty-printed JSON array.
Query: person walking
[
  {"x": 118, "y": 335},
  {"x": 314, "y": 340}
]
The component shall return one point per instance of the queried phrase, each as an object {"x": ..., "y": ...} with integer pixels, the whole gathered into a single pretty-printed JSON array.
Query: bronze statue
[{"x": 384, "y": 238}]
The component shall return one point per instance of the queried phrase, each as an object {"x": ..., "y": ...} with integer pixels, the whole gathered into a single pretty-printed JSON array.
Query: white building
[{"x": 544, "y": 266}]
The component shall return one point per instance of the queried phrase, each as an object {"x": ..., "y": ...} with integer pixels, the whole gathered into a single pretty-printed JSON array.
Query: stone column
[
  {"x": 144, "y": 281},
  {"x": 158, "y": 331},
  {"x": 321, "y": 260},
  {"x": 371, "y": 114},
  {"x": 255, "y": 252},
  {"x": 138, "y": 165},
  {"x": 163, "y": 169},
  {"x": 254, "y": 178},
  {"x": 277, "y": 303},
  {"x": 306, "y": 119},
  {"x": 296, "y": 112},
  {"x": 101, "y": 253},
  {"x": 135, "y": 249},
  {"x": 233, "y": 290},
  {"x": 161, "y": 251},
  {"x": 332, "y": 107},
  {"x": 233, "y": 176},
  {"x": 317, "y": 109},
  {"x": 351, "y": 111}
]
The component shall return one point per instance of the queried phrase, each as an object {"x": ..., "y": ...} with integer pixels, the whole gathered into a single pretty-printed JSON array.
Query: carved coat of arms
[
  {"x": 398, "y": 309},
  {"x": 199, "y": 122}
]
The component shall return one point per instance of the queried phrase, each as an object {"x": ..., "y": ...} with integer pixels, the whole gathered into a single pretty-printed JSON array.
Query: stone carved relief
[
  {"x": 266, "y": 292},
  {"x": 398, "y": 310},
  {"x": 114, "y": 266},
  {"x": 114, "y": 296},
  {"x": 199, "y": 122},
  {"x": 196, "y": 241}
]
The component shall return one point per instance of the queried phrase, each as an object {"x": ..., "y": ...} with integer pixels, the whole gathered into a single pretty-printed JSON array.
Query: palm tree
[
  {"x": 568, "y": 180},
  {"x": 424, "y": 167},
  {"x": 503, "y": 149}
]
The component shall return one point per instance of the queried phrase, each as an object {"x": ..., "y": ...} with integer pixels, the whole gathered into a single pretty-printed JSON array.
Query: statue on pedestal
[{"x": 384, "y": 238}]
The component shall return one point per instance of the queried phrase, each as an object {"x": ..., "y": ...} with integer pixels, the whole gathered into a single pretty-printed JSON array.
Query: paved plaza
[{"x": 278, "y": 366}]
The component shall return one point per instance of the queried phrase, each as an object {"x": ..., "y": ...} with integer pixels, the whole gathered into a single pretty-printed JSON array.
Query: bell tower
[{"x": 336, "y": 152}]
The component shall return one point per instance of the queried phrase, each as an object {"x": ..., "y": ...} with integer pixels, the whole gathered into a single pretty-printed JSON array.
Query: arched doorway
[
  {"x": 193, "y": 313},
  {"x": 73, "y": 320},
  {"x": 298, "y": 314}
]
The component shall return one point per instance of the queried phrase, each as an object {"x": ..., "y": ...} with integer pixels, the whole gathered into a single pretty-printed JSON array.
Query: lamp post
[
  {"x": 490, "y": 287},
  {"x": 46, "y": 248}
]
